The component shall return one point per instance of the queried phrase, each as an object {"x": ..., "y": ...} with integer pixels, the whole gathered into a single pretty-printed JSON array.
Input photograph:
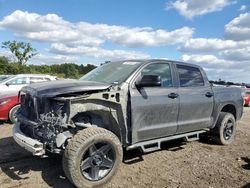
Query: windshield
[
  {"x": 4, "y": 78},
  {"x": 116, "y": 72}
]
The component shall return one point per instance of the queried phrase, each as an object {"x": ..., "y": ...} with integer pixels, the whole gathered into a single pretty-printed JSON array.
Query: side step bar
[{"x": 153, "y": 145}]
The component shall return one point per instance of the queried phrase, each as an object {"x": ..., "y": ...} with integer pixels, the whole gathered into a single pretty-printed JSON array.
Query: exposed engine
[
  {"x": 51, "y": 120},
  {"x": 51, "y": 123},
  {"x": 49, "y": 127}
]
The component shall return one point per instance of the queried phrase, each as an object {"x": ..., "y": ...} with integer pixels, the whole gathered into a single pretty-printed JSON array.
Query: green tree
[
  {"x": 13, "y": 68},
  {"x": 85, "y": 69},
  {"x": 22, "y": 51},
  {"x": 70, "y": 70},
  {"x": 3, "y": 64}
]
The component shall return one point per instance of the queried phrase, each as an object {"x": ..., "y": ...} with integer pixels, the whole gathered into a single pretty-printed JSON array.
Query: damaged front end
[
  {"x": 49, "y": 118},
  {"x": 45, "y": 120}
]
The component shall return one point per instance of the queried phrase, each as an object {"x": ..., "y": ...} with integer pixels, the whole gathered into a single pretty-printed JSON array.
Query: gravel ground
[{"x": 178, "y": 164}]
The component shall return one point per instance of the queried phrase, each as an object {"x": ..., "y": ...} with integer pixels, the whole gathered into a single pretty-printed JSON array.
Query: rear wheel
[
  {"x": 92, "y": 157},
  {"x": 224, "y": 131},
  {"x": 12, "y": 114}
]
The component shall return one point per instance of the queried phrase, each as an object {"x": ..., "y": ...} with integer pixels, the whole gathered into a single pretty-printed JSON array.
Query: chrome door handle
[
  {"x": 209, "y": 94},
  {"x": 173, "y": 95}
]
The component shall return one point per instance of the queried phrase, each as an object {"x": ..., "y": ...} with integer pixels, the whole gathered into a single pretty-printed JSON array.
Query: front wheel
[
  {"x": 224, "y": 131},
  {"x": 92, "y": 157}
]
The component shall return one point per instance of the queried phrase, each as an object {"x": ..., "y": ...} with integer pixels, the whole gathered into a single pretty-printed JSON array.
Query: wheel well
[
  {"x": 12, "y": 109},
  {"x": 100, "y": 119},
  {"x": 230, "y": 108}
]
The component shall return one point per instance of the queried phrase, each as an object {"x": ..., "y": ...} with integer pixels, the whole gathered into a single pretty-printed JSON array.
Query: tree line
[
  {"x": 227, "y": 83},
  {"x": 67, "y": 70},
  {"x": 22, "y": 52}
]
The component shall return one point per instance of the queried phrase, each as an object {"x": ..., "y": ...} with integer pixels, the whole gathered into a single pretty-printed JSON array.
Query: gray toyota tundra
[{"x": 123, "y": 105}]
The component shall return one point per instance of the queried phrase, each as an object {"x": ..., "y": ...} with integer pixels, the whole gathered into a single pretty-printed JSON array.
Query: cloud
[
  {"x": 55, "y": 59},
  {"x": 209, "y": 61},
  {"x": 242, "y": 54},
  {"x": 43, "y": 59},
  {"x": 52, "y": 28},
  {"x": 47, "y": 28},
  {"x": 220, "y": 57},
  {"x": 97, "y": 52},
  {"x": 24, "y": 22},
  {"x": 228, "y": 58},
  {"x": 229, "y": 70},
  {"x": 211, "y": 45},
  {"x": 239, "y": 28},
  {"x": 243, "y": 8},
  {"x": 87, "y": 39},
  {"x": 7, "y": 54},
  {"x": 136, "y": 37},
  {"x": 192, "y": 8}
]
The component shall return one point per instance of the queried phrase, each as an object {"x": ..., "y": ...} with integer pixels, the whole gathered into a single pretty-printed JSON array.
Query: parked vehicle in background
[
  {"x": 9, "y": 104},
  {"x": 247, "y": 98},
  {"x": 4, "y": 77},
  {"x": 16, "y": 82},
  {"x": 125, "y": 104}
]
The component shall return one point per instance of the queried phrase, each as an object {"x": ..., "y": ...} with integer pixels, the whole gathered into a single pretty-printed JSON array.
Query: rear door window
[{"x": 190, "y": 76}]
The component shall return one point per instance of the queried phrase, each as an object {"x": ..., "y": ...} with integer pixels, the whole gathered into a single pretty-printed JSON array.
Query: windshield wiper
[{"x": 115, "y": 83}]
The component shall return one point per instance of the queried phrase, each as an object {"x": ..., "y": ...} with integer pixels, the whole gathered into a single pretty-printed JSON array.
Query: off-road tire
[
  {"x": 79, "y": 145},
  {"x": 219, "y": 129},
  {"x": 12, "y": 112}
]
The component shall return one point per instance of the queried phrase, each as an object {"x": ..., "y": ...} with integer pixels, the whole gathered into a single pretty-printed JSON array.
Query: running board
[
  {"x": 192, "y": 138},
  {"x": 153, "y": 145}
]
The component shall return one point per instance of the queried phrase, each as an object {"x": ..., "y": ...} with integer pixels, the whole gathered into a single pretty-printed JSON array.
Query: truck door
[
  {"x": 196, "y": 99},
  {"x": 154, "y": 110}
]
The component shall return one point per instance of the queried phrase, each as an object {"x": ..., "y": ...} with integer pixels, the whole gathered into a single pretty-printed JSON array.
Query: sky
[{"x": 214, "y": 34}]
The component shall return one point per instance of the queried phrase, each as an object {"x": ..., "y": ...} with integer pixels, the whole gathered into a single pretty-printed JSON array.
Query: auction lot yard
[{"x": 178, "y": 164}]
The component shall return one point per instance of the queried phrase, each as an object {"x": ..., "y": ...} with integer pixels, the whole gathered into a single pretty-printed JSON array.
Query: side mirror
[
  {"x": 149, "y": 81},
  {"x": 7, "y": 84}
]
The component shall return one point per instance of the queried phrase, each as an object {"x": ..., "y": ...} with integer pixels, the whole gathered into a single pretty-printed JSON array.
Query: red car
[
  {"x": 247, "y": 98},
  {"x": 9, "y": 104}
]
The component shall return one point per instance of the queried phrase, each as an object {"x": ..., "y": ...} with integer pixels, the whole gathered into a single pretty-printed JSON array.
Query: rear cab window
[{"x": 190, "y": 76}]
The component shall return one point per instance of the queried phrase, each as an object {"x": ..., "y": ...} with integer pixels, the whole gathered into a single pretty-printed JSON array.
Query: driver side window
[{"x": 159, "y": 69}]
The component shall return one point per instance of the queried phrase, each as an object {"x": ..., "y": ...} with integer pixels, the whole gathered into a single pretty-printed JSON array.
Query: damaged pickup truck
[{"x": 123, "y": 105}]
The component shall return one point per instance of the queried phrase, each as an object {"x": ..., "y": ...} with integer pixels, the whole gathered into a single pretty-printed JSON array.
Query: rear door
[
  {"x": 153, "y": 113},
  {"x": 196, "y": 99}
]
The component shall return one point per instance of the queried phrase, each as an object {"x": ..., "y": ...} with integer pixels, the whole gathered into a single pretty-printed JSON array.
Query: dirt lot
[{"x": 178, "y": 164}]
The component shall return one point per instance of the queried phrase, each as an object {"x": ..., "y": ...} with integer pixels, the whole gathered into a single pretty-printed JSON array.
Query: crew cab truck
[{"x": 126, "y": 104}]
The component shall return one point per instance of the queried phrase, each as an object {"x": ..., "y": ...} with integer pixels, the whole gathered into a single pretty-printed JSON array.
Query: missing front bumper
[{"x": 32, "y": 145}]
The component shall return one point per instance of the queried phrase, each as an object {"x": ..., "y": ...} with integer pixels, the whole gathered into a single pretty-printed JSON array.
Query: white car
[
  {"x": 4, "y": 77},
  {"x": 16, "y": 82}
]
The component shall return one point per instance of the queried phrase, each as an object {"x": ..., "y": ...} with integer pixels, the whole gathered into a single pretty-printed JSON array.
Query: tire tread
[
  {"x": 72, "y": 149},
  {"x": 217, "y": 137}
]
